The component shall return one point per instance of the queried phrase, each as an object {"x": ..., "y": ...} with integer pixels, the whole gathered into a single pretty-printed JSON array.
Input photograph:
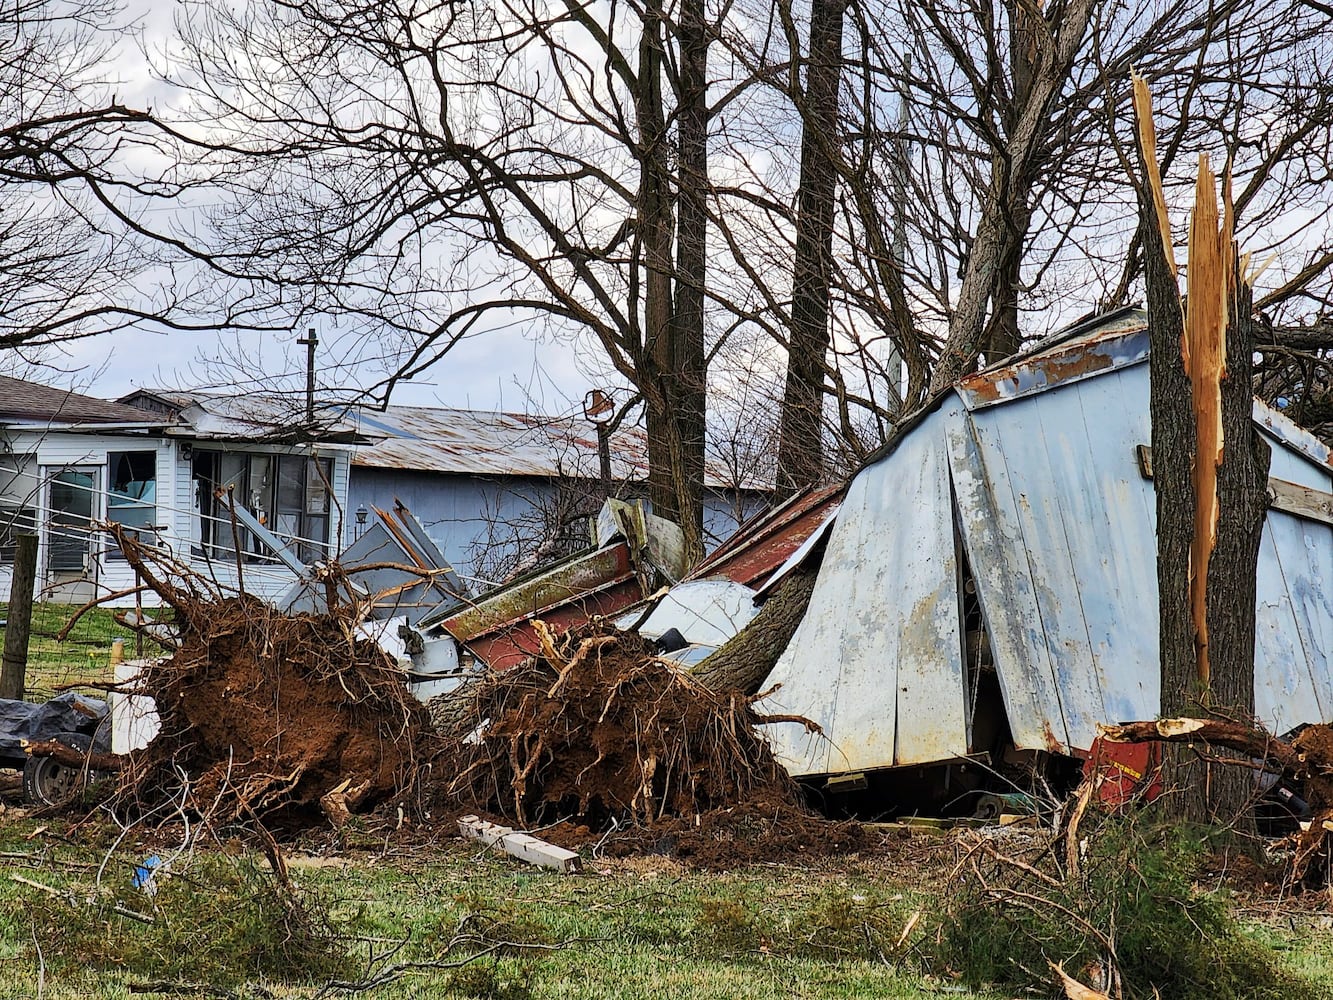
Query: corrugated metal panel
[
  {"x": 1059, "y": 528},
  {"x": 1058, "y": 524},
  {"x": 482, "y": 443},
  {"x": 765, "y": 543},
  {"x": 705, "y": 612},
  {"x": 877, "y": 660},
  {"x": 1063, "y": 364}
]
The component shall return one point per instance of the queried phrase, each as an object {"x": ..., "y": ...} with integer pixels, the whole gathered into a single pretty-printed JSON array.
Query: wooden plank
[
  {"x": 523, "y": 846},
  {"x": 1288, "y": 497},
  {"x": 1302, "y": 501}
]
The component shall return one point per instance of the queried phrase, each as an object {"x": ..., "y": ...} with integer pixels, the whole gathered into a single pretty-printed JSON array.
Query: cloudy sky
[{"x": 515, "y": 367}]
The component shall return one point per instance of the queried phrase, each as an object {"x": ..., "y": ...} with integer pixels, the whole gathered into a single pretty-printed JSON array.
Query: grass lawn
[
  {"x": 642, "y": 927},
  {"x": 83, "y": 657}
]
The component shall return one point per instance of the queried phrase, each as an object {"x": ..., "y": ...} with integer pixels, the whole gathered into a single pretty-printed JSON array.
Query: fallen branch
[
  {"x": 1223, "y": 733},
  {"x": 71, "y": 757}
]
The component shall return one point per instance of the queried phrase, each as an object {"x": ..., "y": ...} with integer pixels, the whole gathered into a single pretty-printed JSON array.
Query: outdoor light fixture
[
  {"x": 361, "y": 514},
  {"x": 597, "y": 408}
]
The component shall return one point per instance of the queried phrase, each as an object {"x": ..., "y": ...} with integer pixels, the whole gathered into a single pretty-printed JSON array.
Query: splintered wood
[{"x": 1211, "y": 277}]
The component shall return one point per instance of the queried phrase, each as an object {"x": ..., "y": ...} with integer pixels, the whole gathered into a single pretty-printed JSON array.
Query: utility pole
[
  {"x": 311, "y": 341},
  {"x": 597, "y": 409}
]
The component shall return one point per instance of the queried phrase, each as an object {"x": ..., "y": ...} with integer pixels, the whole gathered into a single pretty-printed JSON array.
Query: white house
[{"x": 155, "y": 462}]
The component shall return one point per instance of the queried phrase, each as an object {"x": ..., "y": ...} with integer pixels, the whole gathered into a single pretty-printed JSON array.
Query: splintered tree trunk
[
  {"x": 744, "y": 662},
  {"x": 800, "y": 447},
  {"x": 1210, "y": 471},
  {"x": 1242, "y": 493}
]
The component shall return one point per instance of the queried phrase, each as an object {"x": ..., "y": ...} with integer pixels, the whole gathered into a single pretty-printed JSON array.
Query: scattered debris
[
  {"x": 523, "y": 846},
  {"x": 1307, "y": 759}
]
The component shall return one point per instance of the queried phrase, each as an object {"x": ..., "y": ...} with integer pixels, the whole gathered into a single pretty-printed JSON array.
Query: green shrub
[
  {"x": 223, "y": 920},
  {"x": 1136, "y": 889}
]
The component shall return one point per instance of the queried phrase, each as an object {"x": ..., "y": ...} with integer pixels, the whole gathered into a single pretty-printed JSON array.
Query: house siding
[
  {"x": 478, "y": 521},
  {"x": 176, "y": 508}
]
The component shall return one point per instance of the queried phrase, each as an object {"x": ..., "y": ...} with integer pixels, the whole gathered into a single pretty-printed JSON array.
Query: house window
[
  {"x": 288, "y": 494},
  {"x": 131, "y": 498},
  {"x": 19, "y": 491}
]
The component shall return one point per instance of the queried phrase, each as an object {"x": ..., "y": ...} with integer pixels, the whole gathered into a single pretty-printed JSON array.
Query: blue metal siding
[
  {"x": 464, "y": 514},
  {"x": 877, "y": 659},
  {"x": 1059, "y": 527}
]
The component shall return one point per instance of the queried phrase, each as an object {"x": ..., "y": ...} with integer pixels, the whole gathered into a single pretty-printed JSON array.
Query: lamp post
[
  {"x": 361, "y": 515},
  {"x": 597, "y": 409}
]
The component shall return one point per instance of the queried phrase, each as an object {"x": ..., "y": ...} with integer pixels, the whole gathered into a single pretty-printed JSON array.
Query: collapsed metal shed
[{"x": 1002, "y": 551}]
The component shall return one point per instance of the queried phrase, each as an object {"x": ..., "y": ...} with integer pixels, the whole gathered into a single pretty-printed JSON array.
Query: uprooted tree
[
  {"x": 1210, "y": 471},
  {"x": 268, "y": 717}
]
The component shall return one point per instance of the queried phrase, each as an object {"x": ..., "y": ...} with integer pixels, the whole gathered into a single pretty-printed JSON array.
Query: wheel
[{"x": 47, "y": 782}]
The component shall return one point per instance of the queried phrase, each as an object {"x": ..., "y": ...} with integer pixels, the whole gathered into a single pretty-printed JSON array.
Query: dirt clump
[
  {"x": 751, "y": 832},
  {"x": 602, "y": 731},
  {"x": 263, "y": 714}
]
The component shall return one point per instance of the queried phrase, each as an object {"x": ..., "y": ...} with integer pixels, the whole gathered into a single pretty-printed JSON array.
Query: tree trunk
[
  {"x": 14, "y": 664},
  {"x": 1058, "y": 40},
  {"x": 744, "y": 662},
  {"x": 1003, "y": 337},
  {"x": 1206, "y": 564},
  {"x": 673, "y": 397},
  {"x": 1173, "y": 446},
  {"x": 1242, "y": 493},
  {"x": 689, "y": 367},
  {"x": 800, "y": 448}
]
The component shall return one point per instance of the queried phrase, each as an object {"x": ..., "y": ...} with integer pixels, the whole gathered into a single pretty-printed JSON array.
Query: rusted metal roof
[
  {"x": 482, "y": 443},
  {"x": 762, "y": 545},
  {"x": 1035, "y": 462}
]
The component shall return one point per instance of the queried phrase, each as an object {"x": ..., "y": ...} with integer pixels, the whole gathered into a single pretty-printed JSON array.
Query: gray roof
[
  {"x": 482, "y": 443},
  {"x": 22, "y": 401},
  {"x": 253, "y": 416}
]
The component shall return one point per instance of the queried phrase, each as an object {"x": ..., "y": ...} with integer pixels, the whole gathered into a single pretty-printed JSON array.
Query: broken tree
[{"x": 1210, "y": 469}]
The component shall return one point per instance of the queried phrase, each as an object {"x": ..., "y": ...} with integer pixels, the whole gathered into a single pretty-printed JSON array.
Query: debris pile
[
  {"x": 1307, "y": 758},
  {"x": 600, "y": 729}
]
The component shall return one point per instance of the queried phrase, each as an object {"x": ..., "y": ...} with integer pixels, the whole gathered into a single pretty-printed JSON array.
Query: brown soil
[
  {"x": 750, "y": 833},
  {"x": 266, "y": 713},
  {"x": 600, "y": 730}
]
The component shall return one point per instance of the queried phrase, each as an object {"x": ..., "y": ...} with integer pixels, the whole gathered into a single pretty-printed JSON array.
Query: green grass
[
  {"x": 82, "y": 658},
  {"x": 623, "y": 930}
]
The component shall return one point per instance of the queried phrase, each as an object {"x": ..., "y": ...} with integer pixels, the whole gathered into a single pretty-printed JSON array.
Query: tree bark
[
  {"x": 14, "y": 665},
  {"x": 689, "y": 364},
  {"x": 744, "y": 662},
  {"x": 1058, "y": 38},
  {"x": 1207, "y": 653},
  {"x": 801, "y": 448}
]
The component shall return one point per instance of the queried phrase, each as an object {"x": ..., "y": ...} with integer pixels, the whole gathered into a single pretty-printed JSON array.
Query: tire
[{"x": 47, "y": 782}]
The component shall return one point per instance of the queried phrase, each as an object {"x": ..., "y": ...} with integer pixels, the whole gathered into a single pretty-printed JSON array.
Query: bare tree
[{"x": 88, "y": 244}]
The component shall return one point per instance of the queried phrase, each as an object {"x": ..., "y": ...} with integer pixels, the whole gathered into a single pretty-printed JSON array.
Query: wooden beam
[
  {"x": 523, "y": 846},
  {"x": 14, "y": 662},
  {"x": 1290, "y": 498}
]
